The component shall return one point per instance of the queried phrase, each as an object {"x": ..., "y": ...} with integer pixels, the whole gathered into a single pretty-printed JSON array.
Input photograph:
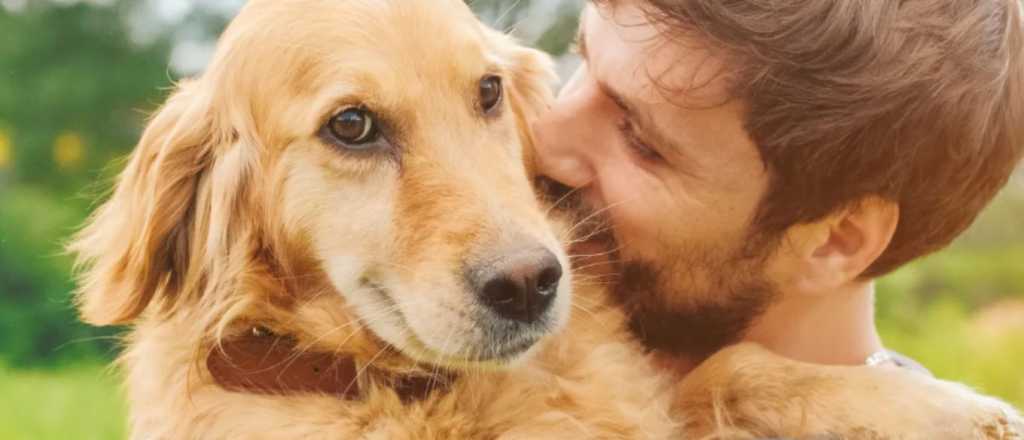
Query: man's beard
[
  {"x": 692, "y": 305},
  {"x": 693, "y": 299}
]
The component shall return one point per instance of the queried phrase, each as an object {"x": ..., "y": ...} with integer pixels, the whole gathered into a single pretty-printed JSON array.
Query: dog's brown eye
[
  {"x": 354, "y": 127},
  {"x": 490, "y": 93}
]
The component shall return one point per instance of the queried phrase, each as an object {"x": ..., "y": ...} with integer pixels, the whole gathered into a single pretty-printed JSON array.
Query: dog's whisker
[
  {"x": 599, "y": 227},
  {"x": 598, "y": 284},
  {"x": 309, "y": 345},
  {"x": 364, "y": 322},
  {"x": 583, "y": 299},
  {"x": 435, "y": 365},
  {"x": 595, "y": 232},
  {"x": 584, "y": 271},
  {"x": 362, "y": 369},
  {"x": 602, "y": 277},
  {"x": 564, "y": 197},
  {"x": 580, "y": 271},
  {"x": 598, "y": 212},
  {"x": 432, "y": 379},
  {"x": 584, "y": 309},
  {"x": 598, "y": 281},
  {"x": 597, "y": 254}
]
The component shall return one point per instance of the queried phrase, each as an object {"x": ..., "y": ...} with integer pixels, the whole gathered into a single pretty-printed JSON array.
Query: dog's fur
[{"x": 234, "y": 213}]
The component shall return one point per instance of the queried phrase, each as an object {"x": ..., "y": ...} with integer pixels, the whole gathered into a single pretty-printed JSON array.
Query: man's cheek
[{"x": 636, "y": 234}]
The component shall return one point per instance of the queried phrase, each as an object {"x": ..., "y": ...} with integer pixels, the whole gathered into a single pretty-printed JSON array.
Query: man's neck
[{"x": 837, "y": 328}]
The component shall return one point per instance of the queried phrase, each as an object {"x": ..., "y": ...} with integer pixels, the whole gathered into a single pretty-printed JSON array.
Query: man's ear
[
  {"x": 529, "y": 88},
  {"x": 839, "y": 248},
  {"x": 136, "y": 246}
]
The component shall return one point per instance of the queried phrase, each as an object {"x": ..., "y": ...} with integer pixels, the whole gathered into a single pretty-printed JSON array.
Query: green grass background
[{"x": 77, "y": 402}]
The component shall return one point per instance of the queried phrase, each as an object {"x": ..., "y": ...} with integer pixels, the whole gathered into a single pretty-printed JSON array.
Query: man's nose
[{"x": 562, "y": 138}]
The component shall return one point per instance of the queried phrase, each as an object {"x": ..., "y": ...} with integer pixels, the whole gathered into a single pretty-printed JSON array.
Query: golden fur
[{"x": 232, "y": 213}]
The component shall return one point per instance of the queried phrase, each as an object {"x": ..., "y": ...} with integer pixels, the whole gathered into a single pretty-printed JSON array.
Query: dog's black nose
[{"x": 520, "y": 286}]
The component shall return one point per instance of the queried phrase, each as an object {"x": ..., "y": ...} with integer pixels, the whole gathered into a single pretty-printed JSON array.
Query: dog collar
[{"x": 267, "y": 364}]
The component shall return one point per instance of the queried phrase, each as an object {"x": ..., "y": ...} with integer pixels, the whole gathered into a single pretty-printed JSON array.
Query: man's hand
[{"x": 748, "y": 392}]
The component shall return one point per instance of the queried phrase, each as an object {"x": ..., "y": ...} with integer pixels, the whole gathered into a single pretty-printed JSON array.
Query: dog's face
[
  {"x": 378, "y": 145},
  {"x": 406, "y": 178}
]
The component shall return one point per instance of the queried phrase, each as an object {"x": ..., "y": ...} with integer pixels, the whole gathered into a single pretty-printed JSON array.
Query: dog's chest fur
[{"x": 588, "y": 382}]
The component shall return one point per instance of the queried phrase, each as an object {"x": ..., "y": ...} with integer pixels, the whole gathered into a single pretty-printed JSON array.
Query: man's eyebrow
[
  {"x": 645, "y": 123},
  {"x": 618, "y": 98}
]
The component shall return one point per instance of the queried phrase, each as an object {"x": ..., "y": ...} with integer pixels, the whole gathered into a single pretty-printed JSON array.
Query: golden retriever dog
[{"x": 331, "y": 234}]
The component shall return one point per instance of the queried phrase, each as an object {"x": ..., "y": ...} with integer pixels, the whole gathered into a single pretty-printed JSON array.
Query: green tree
[{"x": 74, "y": 90}]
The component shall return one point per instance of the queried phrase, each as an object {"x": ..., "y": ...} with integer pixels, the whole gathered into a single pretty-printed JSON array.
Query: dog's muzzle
[{"x": 519, "y": 286}]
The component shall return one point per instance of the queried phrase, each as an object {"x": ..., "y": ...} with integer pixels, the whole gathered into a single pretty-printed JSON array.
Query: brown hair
[{"x": 917, "y": 101}]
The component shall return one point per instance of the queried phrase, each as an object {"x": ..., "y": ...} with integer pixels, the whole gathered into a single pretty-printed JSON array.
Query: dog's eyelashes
[
  {"x": 491, "y": 93},
  {"x": 354, "y": 128}
]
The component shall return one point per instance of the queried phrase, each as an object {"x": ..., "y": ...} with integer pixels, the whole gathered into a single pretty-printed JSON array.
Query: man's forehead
[
  {"x": 640, "y": 61},
  {"x": 614, "y": 48},
  {"x": 674, "y": 89}
]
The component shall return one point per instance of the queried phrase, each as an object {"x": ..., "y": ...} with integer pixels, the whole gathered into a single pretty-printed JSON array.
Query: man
[{"x": 759, "y": 163}]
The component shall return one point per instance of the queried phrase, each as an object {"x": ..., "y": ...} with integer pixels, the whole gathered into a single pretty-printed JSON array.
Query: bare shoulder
[{"x": 763, "y": 394}]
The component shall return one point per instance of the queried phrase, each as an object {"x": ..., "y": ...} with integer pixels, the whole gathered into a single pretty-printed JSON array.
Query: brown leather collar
[{"x": 262, "y": 363}]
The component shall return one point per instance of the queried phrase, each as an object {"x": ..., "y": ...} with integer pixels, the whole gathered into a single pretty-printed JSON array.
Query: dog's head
[{"x": 342, "y": 163}]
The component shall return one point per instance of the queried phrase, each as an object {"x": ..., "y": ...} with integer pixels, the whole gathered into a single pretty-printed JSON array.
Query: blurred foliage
[
  {"x": 960, "y": 312},
  {"x": 80, "y": 402},
  {"x": 546, "y": 24},
  {"x": 76, "y": 84},
  {"x": 72, "y": 90}
]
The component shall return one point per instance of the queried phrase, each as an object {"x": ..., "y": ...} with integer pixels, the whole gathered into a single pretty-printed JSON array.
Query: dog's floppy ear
[
  {"x": 532, "y": 75},
  {"x": 136, "y": 246}
]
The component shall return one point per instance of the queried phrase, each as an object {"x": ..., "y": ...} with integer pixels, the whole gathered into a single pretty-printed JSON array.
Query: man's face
[{"x": 646, "y": 135}]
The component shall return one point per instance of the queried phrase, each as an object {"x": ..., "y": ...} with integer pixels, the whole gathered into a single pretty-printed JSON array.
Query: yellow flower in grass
[
  {"x": 5, "y": 150},
  {"x": 68, "y": 150}
]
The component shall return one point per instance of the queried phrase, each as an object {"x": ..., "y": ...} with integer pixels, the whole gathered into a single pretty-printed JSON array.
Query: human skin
[{"x": 646, "y": 134}]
